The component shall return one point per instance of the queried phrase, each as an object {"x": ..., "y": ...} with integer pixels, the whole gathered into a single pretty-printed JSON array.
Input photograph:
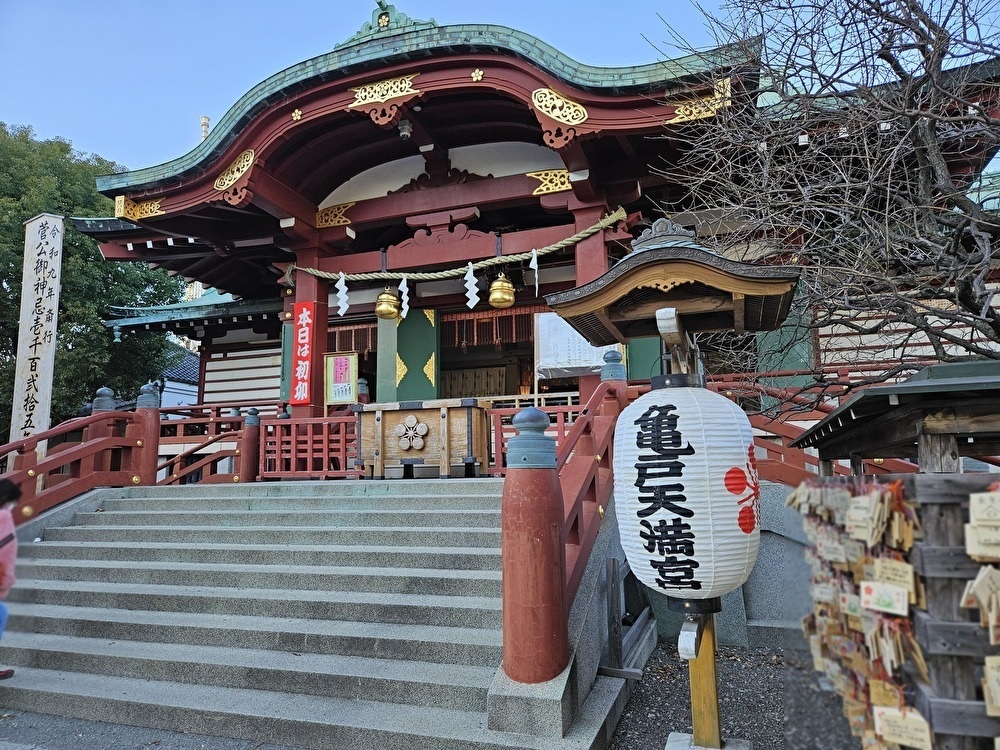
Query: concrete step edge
[
  {"x": 35, "y": 564},
  {"x": 32, "y": 585},
  {"x": 358, "y": 667},
  {"x": 317, "y": 723},
  {"x": 299, "y": 625}
]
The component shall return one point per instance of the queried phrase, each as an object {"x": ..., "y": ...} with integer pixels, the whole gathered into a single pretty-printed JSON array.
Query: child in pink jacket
[{"x": 9, "y": 494}]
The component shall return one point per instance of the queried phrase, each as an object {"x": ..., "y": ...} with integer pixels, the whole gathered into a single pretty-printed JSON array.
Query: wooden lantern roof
[
  {"x": 667, "y": 268},
  {"x": 290, "y": 165}
]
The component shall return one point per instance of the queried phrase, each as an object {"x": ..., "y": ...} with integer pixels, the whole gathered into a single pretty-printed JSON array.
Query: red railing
[
  {"x": 195, "y": 466},
  {"x": 105, "y": 449},
  {"x": 561, "y": 421},
  {"x": 317, "y": 448},
  {"x": 773, "y": 435},
  {"x": 213, "y": 443},
  {"x": 584, "y": 462}
]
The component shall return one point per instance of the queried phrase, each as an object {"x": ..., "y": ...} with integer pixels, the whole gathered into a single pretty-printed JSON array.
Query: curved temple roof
[
  {"x": 455, "y": 139},
  {"x": 402, "y": 39}
]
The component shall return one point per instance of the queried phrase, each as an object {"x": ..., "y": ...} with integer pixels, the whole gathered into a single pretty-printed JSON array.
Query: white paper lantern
[{"x": 687, "y": 495}]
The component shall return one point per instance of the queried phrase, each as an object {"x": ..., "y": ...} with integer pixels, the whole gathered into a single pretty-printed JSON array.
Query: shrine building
[{"x": 411, "y": 197}]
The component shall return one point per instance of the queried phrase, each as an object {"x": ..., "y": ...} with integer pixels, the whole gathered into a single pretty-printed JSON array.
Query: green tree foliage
[{"x": 49, "y": 176}]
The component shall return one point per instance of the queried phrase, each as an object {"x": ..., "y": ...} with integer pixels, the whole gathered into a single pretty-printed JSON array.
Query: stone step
[
  {"x": 455, "y": 558},
  {"x": 389, "y": 537},
  {"x": 327, "y": 501},
  {"x": 357, "y": 678},
  {"x": 314, "y": 722},
  {"x": 397, "y": 488},
  {"x": 453, "y": 644},
  {"x": 359, "y": 606},
  {"x": 310, "y": 518},
  {"x": 294, "y": 577}
]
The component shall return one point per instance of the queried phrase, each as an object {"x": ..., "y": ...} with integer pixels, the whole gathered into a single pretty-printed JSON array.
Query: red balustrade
[{"x": 315, "y": 448}]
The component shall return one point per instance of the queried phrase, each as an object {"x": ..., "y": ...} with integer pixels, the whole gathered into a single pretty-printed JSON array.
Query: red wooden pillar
[
  {"x": 145, "y": 452},
  {"x": 310, "y": 288},
  {"x": 249, "y": 464},
  {"x": 535, "y": 629},
  {"x": 591, "y": 263}
]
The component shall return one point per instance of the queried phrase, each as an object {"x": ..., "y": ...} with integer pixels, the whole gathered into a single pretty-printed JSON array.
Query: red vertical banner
[{"x": 303, "y": 341}]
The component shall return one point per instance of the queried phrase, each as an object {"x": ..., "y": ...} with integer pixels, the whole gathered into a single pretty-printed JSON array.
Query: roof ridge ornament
[
  {"x": 663, "y": 231},
  {"x": 387, "y": 20}
]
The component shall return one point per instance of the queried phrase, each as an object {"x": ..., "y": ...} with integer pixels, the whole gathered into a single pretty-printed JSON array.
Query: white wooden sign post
[{"x": 36, "y": 340}]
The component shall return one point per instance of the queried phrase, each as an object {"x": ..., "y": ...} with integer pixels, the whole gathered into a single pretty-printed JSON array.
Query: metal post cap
[
  {"x": 531, "y": 448},
  {"x": 252, "y": 418},
  {"x": 613, "y": 368},
  {"x": 105, "y": 400},
  {"x": 149, "y": 397}
]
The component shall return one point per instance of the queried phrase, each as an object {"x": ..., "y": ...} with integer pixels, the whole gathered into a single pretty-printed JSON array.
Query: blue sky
[{"x": 130, "y": 80}]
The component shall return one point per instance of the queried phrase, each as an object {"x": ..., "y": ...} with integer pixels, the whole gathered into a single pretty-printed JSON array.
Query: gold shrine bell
[
  {"x": 501, "y": 292},
  {"x": 387, "y": 305}
]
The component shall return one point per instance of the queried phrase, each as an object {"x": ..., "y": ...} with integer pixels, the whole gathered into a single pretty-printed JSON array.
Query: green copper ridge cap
[
  {"x": 419, "y": 40},
  {"x": 386, "y": 20}
]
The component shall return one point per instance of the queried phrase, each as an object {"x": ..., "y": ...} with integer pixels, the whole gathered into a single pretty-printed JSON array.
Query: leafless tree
[{"x": 853, "y": 143}]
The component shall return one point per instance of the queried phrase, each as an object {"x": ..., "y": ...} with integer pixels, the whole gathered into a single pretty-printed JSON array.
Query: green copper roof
[
  {"x": 213, "y": 304},
  {"x": 401, "y": 39}
]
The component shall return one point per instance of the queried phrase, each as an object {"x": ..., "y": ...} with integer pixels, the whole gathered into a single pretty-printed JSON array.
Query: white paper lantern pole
[{"x": 687, "y": 502}]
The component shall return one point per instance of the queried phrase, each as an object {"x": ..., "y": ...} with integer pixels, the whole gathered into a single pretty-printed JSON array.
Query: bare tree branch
[{"x": 855, "y": 133}]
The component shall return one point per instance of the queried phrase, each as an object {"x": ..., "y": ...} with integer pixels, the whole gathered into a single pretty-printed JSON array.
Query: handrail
[
  {"x": 63, "y": 428},
  {"x": 175, "y": 477},
  {"x": 584, "y": 462},
  {"x": 106, "y": 454},
  {"x": 565, "y": 448}
]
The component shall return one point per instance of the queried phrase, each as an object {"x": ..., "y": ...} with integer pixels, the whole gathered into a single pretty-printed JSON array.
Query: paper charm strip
[
  {"x": 341, "y": 287},
  {"x": 471, "y": 290},
  {"x": 533, "y": 265},
  {"x": 404, "y": 297}
]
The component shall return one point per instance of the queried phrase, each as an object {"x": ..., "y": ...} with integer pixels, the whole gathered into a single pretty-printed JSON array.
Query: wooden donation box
[{"x": 446, "y": 437}]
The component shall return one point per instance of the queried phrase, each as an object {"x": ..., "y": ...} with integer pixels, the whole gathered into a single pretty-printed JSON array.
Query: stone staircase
[{"x": 315, "y": 614}]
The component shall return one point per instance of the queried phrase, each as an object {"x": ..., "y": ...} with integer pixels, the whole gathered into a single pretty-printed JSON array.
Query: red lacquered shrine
[{"x": 477, "y": 163}]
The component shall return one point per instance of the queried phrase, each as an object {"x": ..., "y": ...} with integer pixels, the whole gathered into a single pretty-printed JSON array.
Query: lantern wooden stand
[
  {"x": 686, "y": 488},
  {"x": 696, "y": 644}
]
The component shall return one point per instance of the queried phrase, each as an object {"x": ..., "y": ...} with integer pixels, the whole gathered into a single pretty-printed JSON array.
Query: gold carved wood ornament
[
  {"x": 551, "y": 181},
  {"x": 429, "y": 370},
  {"x": 241, "y": 164},
  {"x": 128, "y": 209},
  {"x": 333, "y": 216},
  {"x": 558, "y": 107},
  {"x": 706, "y": 106},
  {"x": 374, "y": 97}
]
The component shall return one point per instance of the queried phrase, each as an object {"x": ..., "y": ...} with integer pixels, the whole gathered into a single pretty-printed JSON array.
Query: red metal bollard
[{"x": 535, "y": 631}]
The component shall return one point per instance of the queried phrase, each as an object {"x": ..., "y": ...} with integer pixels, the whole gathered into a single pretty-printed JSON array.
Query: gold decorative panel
[
  {"x": 429, "y": 370},
  {"x": 128, "y": 209},
  {"x": 234, "y": 171},
  {"x": 383, "y": 91},
  {"x": 552, "y": 181},
  {"x": 706, "y": 106},
  {"x": 558, "y": 107},
  {"x": 400, "y": 370},
  {"x": 333, "y": 216},
  {"x": 429, "y": 314}
]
